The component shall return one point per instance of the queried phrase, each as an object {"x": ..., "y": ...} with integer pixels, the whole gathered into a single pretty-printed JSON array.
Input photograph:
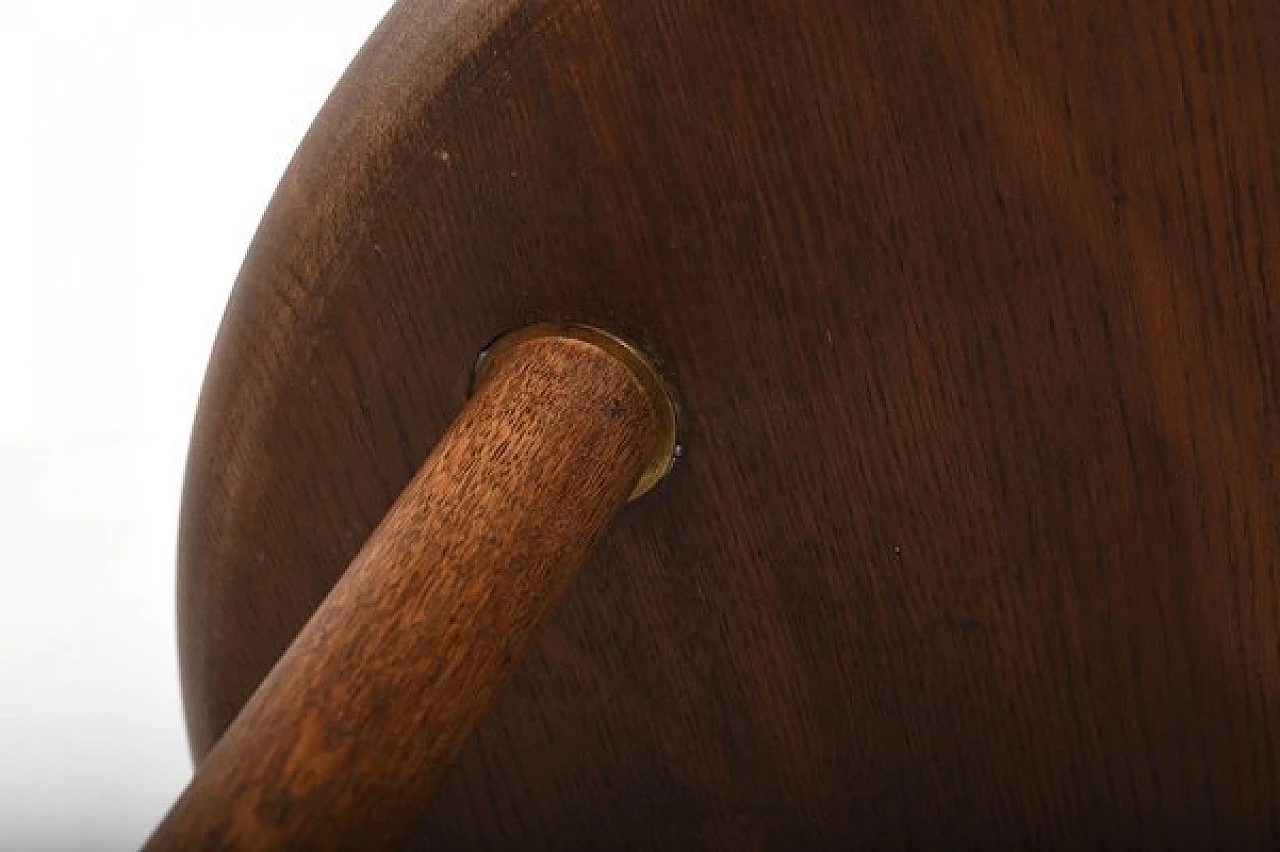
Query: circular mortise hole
[{"x": 660, "y": 398}]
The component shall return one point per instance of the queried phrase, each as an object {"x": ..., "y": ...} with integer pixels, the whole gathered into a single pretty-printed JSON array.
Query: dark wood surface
[
  {"x": 344, "y": 744},
  {"x": 973, "y": 313}
]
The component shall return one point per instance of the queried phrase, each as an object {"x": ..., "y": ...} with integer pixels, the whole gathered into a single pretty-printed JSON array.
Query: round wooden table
[{"x": 971, "y": 316}]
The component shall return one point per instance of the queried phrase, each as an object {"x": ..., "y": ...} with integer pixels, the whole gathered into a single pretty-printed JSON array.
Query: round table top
[{"x": 971, "y": 311}]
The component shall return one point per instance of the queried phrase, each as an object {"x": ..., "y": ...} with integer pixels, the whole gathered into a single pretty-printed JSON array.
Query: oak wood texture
[
  {"x": 972, "y": 312},
  {"x": 344, "y": 743}
]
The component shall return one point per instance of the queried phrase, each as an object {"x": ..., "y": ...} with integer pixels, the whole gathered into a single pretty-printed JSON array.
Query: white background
[{"x": 139, "y": 143}]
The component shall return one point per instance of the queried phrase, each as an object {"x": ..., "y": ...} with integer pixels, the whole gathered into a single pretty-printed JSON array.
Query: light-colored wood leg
[{"x": 346, "y": 740}]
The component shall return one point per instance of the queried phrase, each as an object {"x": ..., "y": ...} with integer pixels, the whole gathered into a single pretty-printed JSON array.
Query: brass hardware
[{"x": 666, "y": 447}]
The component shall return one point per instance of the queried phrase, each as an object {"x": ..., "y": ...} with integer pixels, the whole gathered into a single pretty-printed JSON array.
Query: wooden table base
[{"x": 344, "y": 743}]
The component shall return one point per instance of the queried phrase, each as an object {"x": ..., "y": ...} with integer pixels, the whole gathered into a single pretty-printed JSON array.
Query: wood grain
[
  {"x": 346, "y": 740},
  {"x": 973, "y": 312}
]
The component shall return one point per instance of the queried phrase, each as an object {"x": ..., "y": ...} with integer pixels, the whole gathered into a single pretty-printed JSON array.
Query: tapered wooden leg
[{"x": 346, "y": 740}]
